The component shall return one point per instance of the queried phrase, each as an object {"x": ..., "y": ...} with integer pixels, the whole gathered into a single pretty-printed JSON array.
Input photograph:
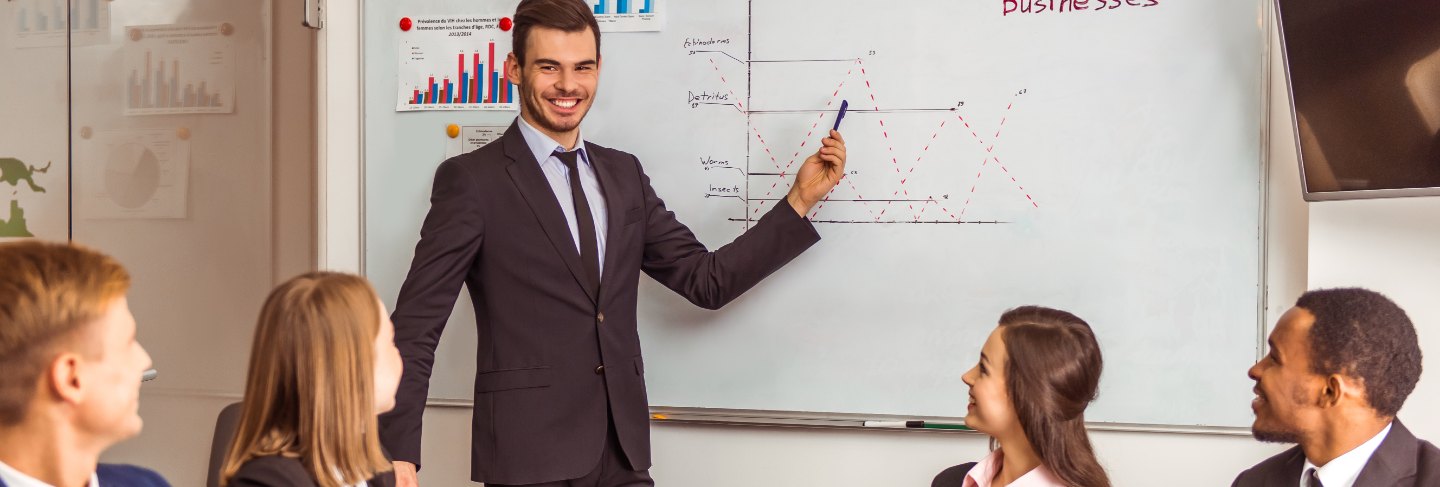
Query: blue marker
[{"x": 844, "y": 105}]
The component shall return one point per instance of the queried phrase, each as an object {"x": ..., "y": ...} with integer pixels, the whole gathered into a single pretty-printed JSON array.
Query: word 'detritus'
[
  {"x": 707, "y": 98},
  {"x": 1062, "y": 6}
]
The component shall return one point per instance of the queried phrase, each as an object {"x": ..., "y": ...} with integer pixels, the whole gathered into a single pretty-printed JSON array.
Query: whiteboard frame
[
  {"x": 341, "y": 216},
  {"x": 340, "y": 195}
]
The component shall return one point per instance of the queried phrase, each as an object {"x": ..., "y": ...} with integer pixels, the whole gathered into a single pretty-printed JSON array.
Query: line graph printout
[{"x": 1102, "y": 158}]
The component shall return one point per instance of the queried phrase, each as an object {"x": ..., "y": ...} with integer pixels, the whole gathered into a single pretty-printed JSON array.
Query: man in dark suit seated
[
  {"x": 70, "y": 368},
  {"x": 1341, "y": 363}
]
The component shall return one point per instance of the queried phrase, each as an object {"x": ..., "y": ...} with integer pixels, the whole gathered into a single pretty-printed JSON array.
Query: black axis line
[
  {"x": 854, "y": 111},
  {"x": 851, "y": 60},
  {"x": 833, "y": 200},
  {"x": 719, "y": 52},
  {"x": 741, "y": 61},
  {"x": 749, "y": 122},
  {"x": 890, "y": 222}
]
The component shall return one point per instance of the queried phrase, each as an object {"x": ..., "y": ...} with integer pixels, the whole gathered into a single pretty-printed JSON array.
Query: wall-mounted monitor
[{"x": 1365, "y": 88}]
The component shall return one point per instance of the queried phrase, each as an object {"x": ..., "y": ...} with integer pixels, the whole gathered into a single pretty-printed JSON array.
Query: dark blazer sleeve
[
  {"x": 278, "y": 471},
  {"x": 128, "y": 476},
  {"x": 449, "y": 239},
  {"x": 953, "y": 476},
  {"x": 272, "y": 471},
  {"x": 675, "y": 258},
  {"x": 1428, "y": 464},
  {"x": 1281, "y": 469}
]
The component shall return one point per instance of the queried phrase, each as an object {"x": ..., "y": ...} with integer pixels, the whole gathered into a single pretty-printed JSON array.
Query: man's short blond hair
[{"x": 48, "y": 291}]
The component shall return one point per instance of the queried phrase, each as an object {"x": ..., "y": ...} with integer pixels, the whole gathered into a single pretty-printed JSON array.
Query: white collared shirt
[
  {"x": 543, "y": 147},
  {"x": 14, "y": 478},
  {"x": 1344, "y": 469}
]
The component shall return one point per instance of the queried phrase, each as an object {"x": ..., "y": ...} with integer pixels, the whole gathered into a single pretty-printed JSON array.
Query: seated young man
[
  {"x": 1341, "y": 363},
  {"x": 70, "y": 368}
]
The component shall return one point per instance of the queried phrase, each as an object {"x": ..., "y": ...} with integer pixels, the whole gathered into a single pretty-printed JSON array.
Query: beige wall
[{"x": 191, "y": 338}]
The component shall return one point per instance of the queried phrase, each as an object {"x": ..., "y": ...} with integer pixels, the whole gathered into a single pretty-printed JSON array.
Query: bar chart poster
[
  {"x": 47, "y": 23},
  {"x": 628, "y": 15},
  {"x": 454, "y": 63},
  {"x": 179, "y": 69}
]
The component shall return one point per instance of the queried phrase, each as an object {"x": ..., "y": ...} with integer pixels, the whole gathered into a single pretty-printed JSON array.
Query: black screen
[{"x": 1365, "y": 81}]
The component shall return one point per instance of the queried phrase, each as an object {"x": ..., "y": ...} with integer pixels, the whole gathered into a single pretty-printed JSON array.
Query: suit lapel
[
  {"x": 1393, "y": 461},
  {"x": 609, "y": 184},
  {"x": 525, "y": 172},
  {"x": 1283, "y": 469},
  {"x": 1290, "y": 474}
]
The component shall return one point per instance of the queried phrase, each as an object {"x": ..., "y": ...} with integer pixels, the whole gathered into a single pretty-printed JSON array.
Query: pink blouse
[{"x": 984, "y": 473}]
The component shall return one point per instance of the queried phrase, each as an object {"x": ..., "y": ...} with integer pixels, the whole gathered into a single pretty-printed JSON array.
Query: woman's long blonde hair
[{"x": 310, "y": 392}]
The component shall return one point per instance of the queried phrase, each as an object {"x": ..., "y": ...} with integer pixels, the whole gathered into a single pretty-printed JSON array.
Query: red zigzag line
[{"x": 990, "y": 149}]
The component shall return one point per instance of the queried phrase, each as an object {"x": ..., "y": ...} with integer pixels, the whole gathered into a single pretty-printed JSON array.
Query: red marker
[
  {"x": 506, "y": 24},
  {"x": 405, "y": 24}
]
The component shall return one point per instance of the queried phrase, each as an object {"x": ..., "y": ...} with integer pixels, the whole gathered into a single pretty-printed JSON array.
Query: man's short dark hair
[
  {"x": 562, "y": 15},
  {"x": 1361, "y": 333}
]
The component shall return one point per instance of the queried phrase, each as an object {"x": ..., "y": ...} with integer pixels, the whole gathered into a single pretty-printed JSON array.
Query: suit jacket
[
  {"x": 953, "y": 476},
  {"x": 555, "y": 356},
  {"x": 279, "y": 471},
  {"x": 1401, "y": 460},
  {"x": 125, "y": 476}
]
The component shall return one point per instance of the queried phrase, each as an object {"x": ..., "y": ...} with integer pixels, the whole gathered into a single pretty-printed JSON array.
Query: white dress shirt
[
  {"x": 1344, "y": 469},
  {"x": 544, "y": 147},
  {"x": 13, "y": 478}
]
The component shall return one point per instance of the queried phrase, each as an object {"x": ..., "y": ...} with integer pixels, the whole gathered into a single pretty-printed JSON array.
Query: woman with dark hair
[{"x": 1038, "y": 371}]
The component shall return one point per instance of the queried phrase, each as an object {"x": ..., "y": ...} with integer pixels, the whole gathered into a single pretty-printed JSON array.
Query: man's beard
[
  {"x": 1274, "y": 435},
  {"x": 532, "y": 105}
]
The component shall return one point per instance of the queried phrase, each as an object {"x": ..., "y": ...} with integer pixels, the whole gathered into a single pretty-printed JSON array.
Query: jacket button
[
  {"x": 600, "y": 318},
  {"x": 600, "y": 370}
]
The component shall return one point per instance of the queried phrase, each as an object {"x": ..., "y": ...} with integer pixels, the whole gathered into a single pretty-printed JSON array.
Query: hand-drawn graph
[
  {"x": 893, "y": 177},
  {"x": 1068, "y": 158}
]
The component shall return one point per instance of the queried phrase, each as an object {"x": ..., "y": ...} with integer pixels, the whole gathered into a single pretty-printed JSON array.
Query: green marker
[{"x": 916, "y": 424}]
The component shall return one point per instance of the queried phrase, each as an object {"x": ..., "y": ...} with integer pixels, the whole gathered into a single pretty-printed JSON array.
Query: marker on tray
[{"x": 916, "y": 424}]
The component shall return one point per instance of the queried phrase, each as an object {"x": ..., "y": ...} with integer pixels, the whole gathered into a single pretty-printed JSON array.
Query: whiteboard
[{"x": 1106, "y": 162}]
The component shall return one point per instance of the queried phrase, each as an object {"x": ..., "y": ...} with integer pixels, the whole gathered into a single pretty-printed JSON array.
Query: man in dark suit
[
  {"x": 1341, "y": 363},
  {"x": 70, "y": 368},
  {"x": 105, "y": 475},
  {"x": 550, "y": 234}
]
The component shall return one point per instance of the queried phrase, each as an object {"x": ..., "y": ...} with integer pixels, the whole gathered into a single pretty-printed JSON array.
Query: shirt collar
[
  {"x": 16, "y": 478},
  {"x": 541, "y": 145},
  {"x": 1343, "y": 470},
  {"x": 983, "y": 474}
]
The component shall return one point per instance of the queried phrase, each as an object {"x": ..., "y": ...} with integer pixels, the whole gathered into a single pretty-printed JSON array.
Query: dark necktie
[
  {"x": 583, "y": 219},
  {"x": 1312, "y": 479}
]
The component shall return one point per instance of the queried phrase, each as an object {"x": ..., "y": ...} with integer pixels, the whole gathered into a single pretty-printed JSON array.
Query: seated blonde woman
[
  {"x": 1038, "y": 371},
  {"x": 322, "y": 366}
]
